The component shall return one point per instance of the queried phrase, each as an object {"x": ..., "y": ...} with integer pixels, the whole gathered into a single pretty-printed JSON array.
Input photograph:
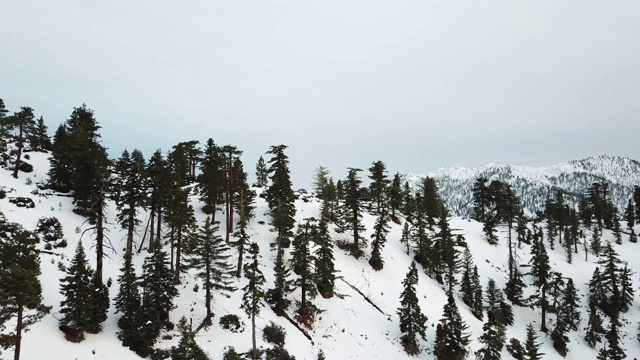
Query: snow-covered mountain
[
  {"x": 349, "y": 327},
  {"x": 535, "y": 184}
]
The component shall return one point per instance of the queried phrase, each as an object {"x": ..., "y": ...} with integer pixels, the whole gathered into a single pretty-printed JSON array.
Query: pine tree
[
  {"x": 211, "y": 179},
  {"x": 431, "y": 200},
  {"x": 281, "y": 198},
  {"x": 245, "y": 210},
  {"x": 629, "y": 216},
  {"x": 531, "y": 345},
  {"x": 159, "y": 181},
  {"x": 395, "y": 194},
  {"x": 38, "y": 136},
  {"x": 262, "y": 174},
  {"x": 378, "y": 187},
  {"x": 325, "y": 269},
  {"x": 158, "y": 289},
  {"x": 20, "y": 288},
  {"x": 210, "y": 259},
  {"x": 594, "y": 325},
  {"x": 302, "y": 261},
  {"x": 497, "y": 308},
  {"x": 187, "y": 348},
  {"x": 615, "y": 351},
  {"x": 406, "y": 236},
  {"x": 596, "y": 242},
  {"x": 128, "y": 303},
  {"x": 352, "y": 211},
  {"x": 450, "y": 254},
  {"x": 61, "y": 161},
  {"x": 412, "y": 320},
  {"x": 489, "y": 229},
  {"x": 378, "y": 239},
  {"x": 454, "y": 333},
  {"x": 282, "y": 286},
  {"x": 23, "y": 121},
  {"x": 477, "y": 309},
  {"x": 253, "y": 293},
  {"x": 181, "y": 220},
  {"x": 568, "y": 245},
  {"x": 320, "y": 181},
  {"x": 492, "y": 339},
  {"x": 571, "y": 305},
  {"x": 616, "y": 230},
  {"x": 84, "y": 306},
  {"x": 559, "y": 334},
  {"x": 133, "y": 194},
  {"x": 481, "y": 199},
  {"x": 232, "y": 172},
  {"x": 466, "y": 285},
  {"x": 540, "y": 271}
]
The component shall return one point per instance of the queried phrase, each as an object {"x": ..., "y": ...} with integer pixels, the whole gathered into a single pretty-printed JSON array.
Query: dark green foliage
[
  {"x": 540, "y": 271},
  {"x": 321, "y": 355},
  {"x": 61, "y": 162},
  {"x": 596, "y": 242},
  {"x": 431, "y": 202},
  {"x": 594, "y": 328},
  {"x": 38, "y": 136},
  {"x": 22, "y": 121},
  {"x": 477, "y": 309},
  {"x": 406, "y": 236},
  {"x": 612, "y": 289},
  {"x": 531, "y": 345},
  {"x": 245, "y": 210},
  {"x": 158, "y": 288},
  {"x": 231, "y": 354},
  {"x": 395, "y": 194},
  {"x": 453, "y": 334},
  {"x": 378, "y": 187},
  {"x": 210, "y": 259},
  {"x": 232, "y": 323},
  {"x": 325, "y": 270},
  {"x": 492, "y": 339},
  {"x": 570, "y": 305},
  {"x": 278, "y": 353},
  {"x": 515, "y": 348},
  {"x": 379, "y": 238},
  {"x": 211, "y": 180},
  {"x": 86, "y": 299},
  {"x": 131, "y": 187},
  {"x": 20, "y": 288},
  {"x": 159, "y": 192},
  {"x": 253, "y": 293},
  {"x": 600, "y": 206},
  {"x": 302, "y": 261},
  {"x": 636, "y": 201},
  {"x": 49, "y": 230},
  {"x": 352, "y": 211},
  {"x": 187, "y": 348},
  {"x": 412, "y": 320},
  {"x": 320, "y": 181},
  {"x": 276, "y": 296},
  {"x": 280, "y": 197},
  {"x": 466, "y": 285},
  {"x": 630, "y": 218},
  {"x": 481, "y": 199},
  {"x": 262, "y": 174},
  {"x": 182, "y": 224},
  {"x": 274, "y": 334}
]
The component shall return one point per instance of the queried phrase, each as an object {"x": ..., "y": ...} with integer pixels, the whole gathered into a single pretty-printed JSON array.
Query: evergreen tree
[
  {"x": 210, "y": 259},
  {"x": 497, "y": 308},
  {"x": 281, "y": 198},
  {"x": 454, "y": 333},
  {"x": 568, "y": 245},
  {"x": 406, "y": 236},
  {"x": 262, "y": 174},
  {"x": 352, "y": 211},
  {"x": 4, "y": 126},
  {"x": 320, "y": 181},
  {"x": 596, "y": 242},
  {"x": 61, "y": 161},
  {"x": 636, "y": 201},
  {"x": 451, "y": 262},
  {"x": 187, "y": 348},
  {"x": 489, "y": 229},
  {"x": 253, "y": 293},
  {"x": 325, "y": 269},
  {"x": 616, "y": 230},
  {"x": 540, "y": 271},
  {"x": 22, "y": 121},
  {"x": 158, "y": 290},
  {"x": 20, "y": 288},
  {"x": 378, "y": 187},
  {"x": 282, "y": 286},
  {"x": 481, "y": 199},
  {"x": 128, "y": 303},
  {"x": 477, "y": 309},
  {"x": 629, "y": 216},
  {"x": 302, "y": 261},
  {"x": 245, "y": 210},
  {"x": 571, "y": 305},
  {"x": 38, "y": 136},
  {"x": 594, "y": 325},
  {"x": 133, "y": 194},
  {"x": 159, "y": 182},
  {"x": 378, "y": 239},
  {"x": 412, "y": 320},
  {"x": 559, "y": 335},
  {"x": 233, "y": 172},
  {"x": 431, "y": 200},
  {"x": 492, "y": 339},
  {"x": 395, "y": 194},
  {"x": 182, "y": 223},
  {"x": 211, "y": 179},
  {"x": 86, "y": 300},
  {"x": 466, "y": 285},
  {"x": 531, "y": 345}
]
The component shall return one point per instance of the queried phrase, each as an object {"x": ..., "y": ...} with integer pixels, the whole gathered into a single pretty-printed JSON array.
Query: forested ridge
[{"x": 193, "y": 253}]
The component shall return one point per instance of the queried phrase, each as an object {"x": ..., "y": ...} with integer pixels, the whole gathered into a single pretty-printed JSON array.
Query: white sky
[{"x": 417, "y": 84}]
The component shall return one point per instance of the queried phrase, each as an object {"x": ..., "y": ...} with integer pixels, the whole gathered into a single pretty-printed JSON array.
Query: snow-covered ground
[{"x": 348, "y": 327}]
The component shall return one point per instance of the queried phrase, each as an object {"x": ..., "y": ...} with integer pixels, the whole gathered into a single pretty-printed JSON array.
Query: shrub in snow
[
  {"x": 278, "y": 353},
  {"x": 232, "y": 323},
  {"x": 231, "y": 354},
  {"x": 49, "y": 230},
  {"x": 274, "y": 334},
  {"x": 24, "y": 202}
]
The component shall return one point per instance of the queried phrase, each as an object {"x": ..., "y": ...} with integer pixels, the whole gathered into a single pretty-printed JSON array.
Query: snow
[{"x": 348, "y": 327}]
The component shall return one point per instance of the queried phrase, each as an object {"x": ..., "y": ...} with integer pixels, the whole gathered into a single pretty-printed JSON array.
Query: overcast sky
[{"x": 417, "y": 84}]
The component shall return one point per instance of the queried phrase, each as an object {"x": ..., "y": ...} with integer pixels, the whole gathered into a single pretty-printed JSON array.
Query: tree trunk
[
  {"x": 16, "y": 355},
  {"x": 100, "y": 236},
  {"x": 159, "y": 226},
  {"x": 152, "y": 216},
  {"x": 207, "y": 296},
  {"x": 130, "y": 228},
  {"x": 176, "y": 279},
  {"x": 19, "y": 155},
  {"x": 543, "y": 326},
  {"x": 253, "y": 334},
  {"x": 241, "y": 239}
]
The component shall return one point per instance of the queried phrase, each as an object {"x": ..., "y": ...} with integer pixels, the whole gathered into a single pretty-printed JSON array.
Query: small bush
[
  {"x": 25, "y": 167},
  {"x": 278, "y": 353},
  {"x": 232, "y": 323},
  {"x": 516, "y": 349},
  {"x": 159, "y": 354},
  {"x": 3, "y": 194},
  {"x": 231, "y": 354},
  {"x": 274, "y": 334},
  {"x": 24, "y": 202}
]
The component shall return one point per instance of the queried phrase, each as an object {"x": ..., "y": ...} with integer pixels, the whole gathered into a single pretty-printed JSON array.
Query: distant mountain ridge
[{"x": 535, "y": 184}]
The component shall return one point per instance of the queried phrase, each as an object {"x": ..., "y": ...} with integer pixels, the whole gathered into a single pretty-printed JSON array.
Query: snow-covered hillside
[
  {"x": 349, "y": 327},
  {"x": 535, "y": 184}
]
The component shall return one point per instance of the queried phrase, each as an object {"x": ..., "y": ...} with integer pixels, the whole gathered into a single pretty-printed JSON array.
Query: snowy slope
[
  {"x": 349, "y": 327},
  {"x": 534, "y": 184}
]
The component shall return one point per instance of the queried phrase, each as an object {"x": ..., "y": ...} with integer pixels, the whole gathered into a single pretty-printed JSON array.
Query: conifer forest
[{"x": 198, "y": 252}]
